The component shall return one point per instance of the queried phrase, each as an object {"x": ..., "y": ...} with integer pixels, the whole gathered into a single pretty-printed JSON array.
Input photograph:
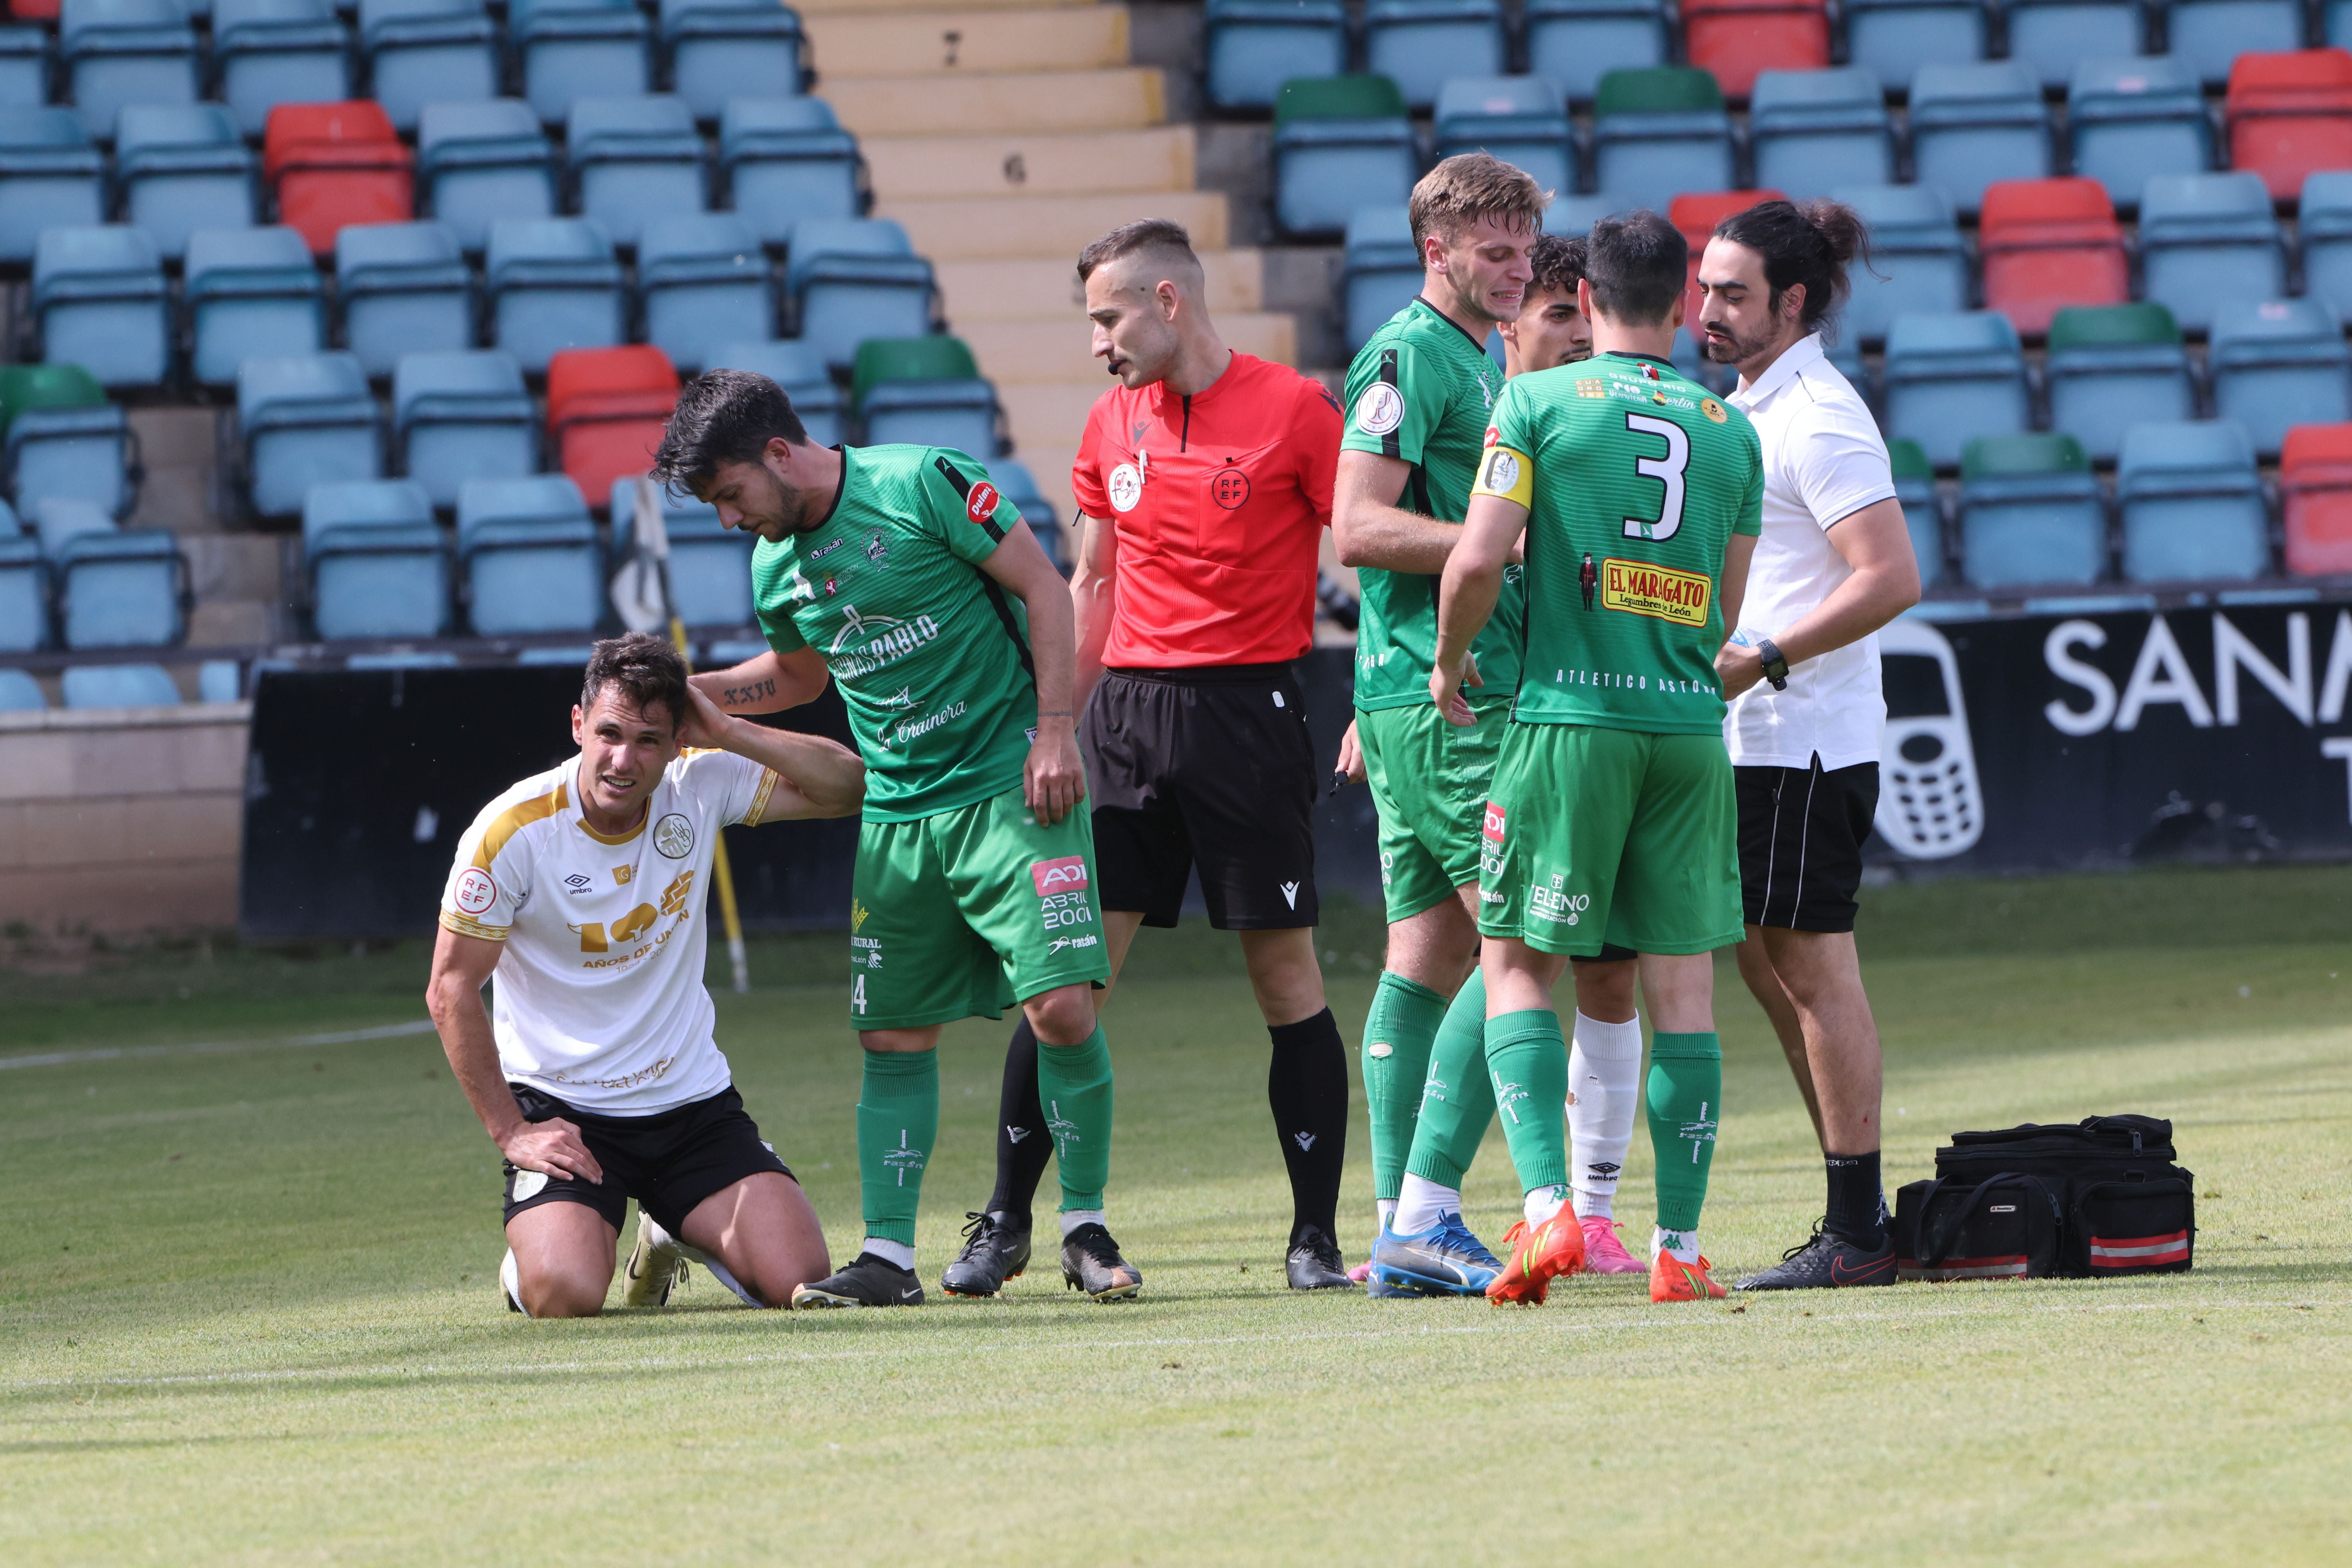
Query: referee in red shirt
[{"x": 1204, "y": 487}]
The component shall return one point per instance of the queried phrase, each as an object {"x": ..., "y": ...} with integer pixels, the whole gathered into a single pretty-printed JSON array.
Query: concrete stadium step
[
  {"x": 950, "y": 229},
  {"x": 1058, "y": 352},
  {"x": 1051, "y": 416},
  {"x": 1035, "y": 164},
  {"x": 1047, "y": 288},
  {"x": 874, "y": 43},
  {"x": 990, "y": 105}
]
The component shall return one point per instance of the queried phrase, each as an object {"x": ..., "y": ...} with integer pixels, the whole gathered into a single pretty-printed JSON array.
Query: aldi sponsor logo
[
  {"x": 1659, "y": 592},
  {"x": 1067, "y": 875},
  {"x": 1493, "y": 827}
]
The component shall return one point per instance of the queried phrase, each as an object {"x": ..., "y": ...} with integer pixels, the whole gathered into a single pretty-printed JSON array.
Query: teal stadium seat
[
  {"x": 2111, "y": 367},
  {"x": 120, "y": 686},
  {"x": 2324, "y": 224},
  {"x": 634, "y": 162},
  {"x": 787, "y": 160},
  {"x": 2031, "y": 514},
  {"x": 2276, "y": 364},
  {"x": 405, "y": 289},
  {"x": 2206, "y": 36},
  {"x": 2193, "y": 504},
  {"x": 724, "y": 49},
  {"x": 1380, "y": 271},
  {"x": 2204, "y": 239},
  {"x": 19, "y": 692},
  {"x": 115, "y": 587},
  {"x": 710, "y": 563},
  {"x": 481, "y": 161},
  {"x": 1658, "y": 134},
  {"x": 1923, "y": 509},
  {"x": 99, "y": 295},
  {"x": 1918, "y": 262},
  {"x": 570, "y": 49},
  {"x": 924, "y": 392},
  {"x": 1422, "y": 45},
  {"x": 1815, "y": 131},
  {"x": 704, "y": 280},
  {"x": 24, "y": 588},
  {"x": 269, "y": 52},
  {"x": 119, "y": 52},
  {"x": 304, "y": 420},
  {"x": 529, "y": 556},
  {"x": 23, "y": 67},
  {"x": 1974, "y": 124},
  {"x": 1952, "y": 378},
  {"x": 182, "y": 167},
  {"x": 2128, "y": 120},
  {"x": 1521, "y": 119},
  {"x": 50, "y": 176},
  {"x": 421, "y": 52},
  {"x": 251, "y": 292},
  {"x": 462, "y": 414},
  {"x": 377, "y": 564},
  {"x": 1253, "y": 47},
  {"x": 1575, "y": 43},
  {"x": 854, "y": 279},
  {"x": 2051, "y": 38},
  {"x": 1891, "y": 39},
  {"x": 801, "y": 371},
  {"x": 64, "y": 438},
  {"x": 552, "y": 284},
  {"x": 1340, "y": 144}
]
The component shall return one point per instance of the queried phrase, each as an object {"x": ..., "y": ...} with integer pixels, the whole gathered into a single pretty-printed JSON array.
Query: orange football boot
[
  {"x": 1536, "y": 1255},
  {"x": 1672, "y": 1280}
]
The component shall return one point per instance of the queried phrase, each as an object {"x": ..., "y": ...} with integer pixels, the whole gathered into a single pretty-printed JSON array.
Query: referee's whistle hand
[
  {"x": 1053, "y": 780},
  {"x": 552, "y": 1148}
]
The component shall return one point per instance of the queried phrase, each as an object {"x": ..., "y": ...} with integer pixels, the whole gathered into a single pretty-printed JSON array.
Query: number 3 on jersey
[{"x": 1667, "y": 470}]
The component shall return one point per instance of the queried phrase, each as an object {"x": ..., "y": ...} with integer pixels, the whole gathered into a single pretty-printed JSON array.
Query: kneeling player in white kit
[{"x": 581, "y": 890}]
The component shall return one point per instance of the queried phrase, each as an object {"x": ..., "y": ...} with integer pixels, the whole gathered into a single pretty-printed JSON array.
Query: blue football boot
[{"x": 1444, "y": 1261}]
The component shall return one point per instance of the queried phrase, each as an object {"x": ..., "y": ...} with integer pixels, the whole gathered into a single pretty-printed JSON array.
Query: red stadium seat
[
  {"x": 605, "y": 410},
  {"x": 334, "y": 165},
  {"x": 2289, "y": 115},
  {"x": 2315, "y": 485},
  {"x": 1697, "y": 212},
  {"x": 1736, "y": 38},
  {"x": 34, "y": 10},
  {"x": 2048, "y": 244}
]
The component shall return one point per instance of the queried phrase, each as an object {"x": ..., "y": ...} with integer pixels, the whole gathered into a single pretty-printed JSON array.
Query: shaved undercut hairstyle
[
  {"x": 1557, "y": 262},
  {"x": 1638, "y": 264},
  {"x": 649, "y": 671},
  {"x": 1154, "y": 237},
  {"x": 1469, "y": 186},
  {"x": 723, "y": 416}
]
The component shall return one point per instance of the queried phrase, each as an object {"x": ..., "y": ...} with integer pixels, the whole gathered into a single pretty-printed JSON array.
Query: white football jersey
[{"x": 598, "y": 998}]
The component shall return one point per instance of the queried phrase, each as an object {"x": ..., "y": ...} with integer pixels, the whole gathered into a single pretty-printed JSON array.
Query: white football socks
[
  {"x": 1542, "y": 1203},
  {"x": 1604, "y": 1082},
  {"x": 1073, "y": 1219},
  {"x": 897, "y": 1252},
  {"x": 1420, "y": 1202},
  {"x": 1385, "y": 1209},
  {"x": 1682, "y": 1244}
]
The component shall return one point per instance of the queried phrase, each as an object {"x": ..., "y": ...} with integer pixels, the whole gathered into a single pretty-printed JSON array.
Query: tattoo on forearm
[{"x": 737, "y": 696}]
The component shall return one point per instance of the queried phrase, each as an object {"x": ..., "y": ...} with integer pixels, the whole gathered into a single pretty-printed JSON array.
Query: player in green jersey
[
  {"x": 902, "y": 573},
  {"x": 1611, "y": 818}
]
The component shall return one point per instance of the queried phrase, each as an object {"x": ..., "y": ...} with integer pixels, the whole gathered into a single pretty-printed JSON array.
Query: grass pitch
[{"x": 248, "y": 1311}]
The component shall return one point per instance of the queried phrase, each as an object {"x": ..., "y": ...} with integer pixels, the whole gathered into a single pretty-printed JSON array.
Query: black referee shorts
[
  {"x": 1210, "y": 768},
  {"x": 1800, "y": 836}
]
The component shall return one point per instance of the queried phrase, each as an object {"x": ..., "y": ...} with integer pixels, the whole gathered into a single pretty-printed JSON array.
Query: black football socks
[
  {"x": 1307, "y": 1086},
  {"x": 1023, "y": 1147},
  {"x": 1854, "y": 1204}
]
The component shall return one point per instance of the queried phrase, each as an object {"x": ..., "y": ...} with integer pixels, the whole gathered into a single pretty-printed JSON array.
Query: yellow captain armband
[{"x": 1505, "y": 473}]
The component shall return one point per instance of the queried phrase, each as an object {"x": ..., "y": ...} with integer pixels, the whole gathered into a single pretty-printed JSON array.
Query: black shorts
[
  {"x": 1609, "y": 953},
  {"x": 668, "y": 1162},
  {"x": 1801, "y": 836},
  {"x": 1211, "y": 768}
]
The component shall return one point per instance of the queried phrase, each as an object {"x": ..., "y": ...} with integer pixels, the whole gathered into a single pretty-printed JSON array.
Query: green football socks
[
  {"x": 1686, "y": 1101},
  {"x": 897, "y": 1122},
  {"x": 1398, "y": 1034},
  {"x": 1457, "y": 1099},
  {"x": 1074, "y": 1087},
  {"x": 1527, "y": 1057}
]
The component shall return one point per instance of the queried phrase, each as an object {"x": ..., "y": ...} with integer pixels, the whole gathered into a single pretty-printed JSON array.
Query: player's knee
[
  {"x": 1062, "y": 1016},
  {"x": 562, "y": 1295}
]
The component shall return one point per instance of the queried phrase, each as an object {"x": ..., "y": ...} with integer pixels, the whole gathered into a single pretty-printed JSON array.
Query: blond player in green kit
[{"x": 1612, "y": 818}]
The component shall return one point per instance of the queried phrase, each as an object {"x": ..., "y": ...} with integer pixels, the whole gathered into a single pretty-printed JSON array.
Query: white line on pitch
[{"x": 126, "y": 1053}]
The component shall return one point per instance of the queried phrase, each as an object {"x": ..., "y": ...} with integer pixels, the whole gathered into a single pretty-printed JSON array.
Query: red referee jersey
[{"x": 1220, "y": 500}]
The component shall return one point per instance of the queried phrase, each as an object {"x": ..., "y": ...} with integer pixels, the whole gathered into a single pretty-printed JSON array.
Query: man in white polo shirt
[
  {"x": 1833, "y": 565},
  {"x": 581, "y": 890}
]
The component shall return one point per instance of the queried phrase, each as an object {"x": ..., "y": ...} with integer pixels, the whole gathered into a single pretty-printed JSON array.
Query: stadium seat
[
  {"x": 572, "y": 49},
  {"x": 2046, "y": 244},
  {"x": 1251, "y": 46},
  {"x": 19, "y": 692},
  {"x": 2204, "y": 239},
  {"x": 1920, "y": 264},
  {"x": 24, "y": 590},
  {"x": 1019, "y": 486},
  {"x": 182, "y": 167},
  {"x": 462, "y": 415},
  {"x": 405, "y": 289},
  {"x": 65, "y": 439},
  {"x": 2114, "y": 366},
  {"x": 854, "y": 279},
  {"x": 2192, "y": 504},
  {"x": 118, "y": 685},
  {"x": 724, "y": 49},
  {"x": 1923, "y": 507},
  {"x": 251, "y": 291},
  {"x": 50, "y": 176},
  {"x": 378, "y": 566},
  {"x": 1339, "y": 143},
  {"x": 118, "y": 52},
  {"x": 1735, "y": 40},
  {"x": 1951, "y": 378},
  {"x": 1974, "y": 124},
  {"x": 634, "y": 162},
  {"x": 787, "y": 159},
  {"x": 2206, "y": 36},
  {"x": 2315, "y": 494},
  {"x": 529, "y": 556},
  {"x": 2128, "y": 120},
  {"x": 1815, "y": 131},
  {"x": 800, "y": 370},
  {"x": 2051, "y": 38},
  {"x": 2277, "y": 364},
  {"x": 1519, "y": 118},
  {"x": 2323, "y": 224},
  {"x": 481, "y": 161},
  {"x": 924, "y": 392},
  {"x": 710, "y": 563},
  {"x": 704, "y": 281},
  {"x": 2031, "y": 514},
  {"x": 1575, "y": 43},
  {"x": 552, "y": 284},
  {"x": 115, "y": 587},
  {"x": 100, "y": 298},
  {"x": 24, "y": 68},
  {"x": 1422, "y": 45},
  {"x": 271, "y": 52},
  {"x": 336, "y": 164},
  {"x": 1381, "y": 272},
  {"x": 605, "y": 411},
  {"x": 219, "y": 680},
  {"x": 2289, "y": 115},
  {"x": 304, "y": 420},
  {"x": 1891, "y": 39},
  {"x": 1659, "y": 132},
  {"x": 428, "y": 51}
]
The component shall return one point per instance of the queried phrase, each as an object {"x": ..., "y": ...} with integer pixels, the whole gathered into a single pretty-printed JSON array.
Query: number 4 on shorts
[{"x": 858, "y": 994}]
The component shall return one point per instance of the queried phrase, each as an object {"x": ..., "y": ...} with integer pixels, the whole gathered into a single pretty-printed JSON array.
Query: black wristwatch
[{"x": 1776, "y": 668}]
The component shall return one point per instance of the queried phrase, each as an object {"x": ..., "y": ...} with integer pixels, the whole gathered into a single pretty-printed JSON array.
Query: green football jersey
[
  {"x": 932, "y": 655},
  {"x": 1634, "y": 480},
  {"x": 1422, "y": 389}
]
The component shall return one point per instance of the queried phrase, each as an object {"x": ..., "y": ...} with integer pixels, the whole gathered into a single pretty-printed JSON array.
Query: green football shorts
[
  {"x": 1620, "y": 835},
  {"x": 1430, "y": 782},
  {"x": 967, "y": 910}
]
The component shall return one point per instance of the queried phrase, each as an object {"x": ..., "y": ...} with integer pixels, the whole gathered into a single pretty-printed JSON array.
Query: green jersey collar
[{"x": 1425, "y": 304}]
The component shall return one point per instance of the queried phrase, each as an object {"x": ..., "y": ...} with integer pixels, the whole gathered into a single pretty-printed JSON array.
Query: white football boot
[{"x": 657, "y": 1266}]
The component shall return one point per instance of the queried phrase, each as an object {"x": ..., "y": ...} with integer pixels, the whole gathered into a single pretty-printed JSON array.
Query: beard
[{"x": 1730, "y": 348}]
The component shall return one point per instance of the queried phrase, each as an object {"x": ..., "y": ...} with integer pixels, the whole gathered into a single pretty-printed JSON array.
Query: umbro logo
[
  {"x": 1604, "y": 1168},
  {"x": 577, "y": 883}
]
